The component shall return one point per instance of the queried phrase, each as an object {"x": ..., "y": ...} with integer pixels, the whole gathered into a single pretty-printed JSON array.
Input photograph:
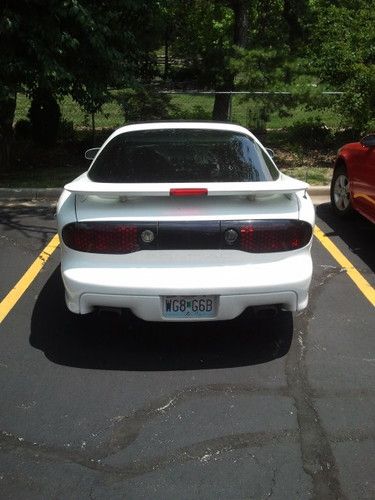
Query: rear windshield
[{"x": 182, "y": 155}]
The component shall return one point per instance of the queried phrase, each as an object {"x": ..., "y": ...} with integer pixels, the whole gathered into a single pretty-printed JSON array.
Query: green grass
[
  {"x": 192, "y": 107},
  {"x": 189, "y": 107},
  {"x": 328, "y": 117},
  {"x": 41, "y": 177},
  {"x": 312, "y": 175},
  {"x": 246, "y": 111},
  {"x": 110, "y": 117}
]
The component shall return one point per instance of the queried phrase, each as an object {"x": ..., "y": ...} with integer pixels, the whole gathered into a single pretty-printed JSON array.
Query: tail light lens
[
  {"x": 255, "y": 236},
  {"x": 101, "y": 237},
  {"x": 274, "y": 235}
]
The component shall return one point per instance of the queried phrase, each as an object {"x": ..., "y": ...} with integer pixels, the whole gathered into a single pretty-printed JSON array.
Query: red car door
[{"x": 363, "y": 177}]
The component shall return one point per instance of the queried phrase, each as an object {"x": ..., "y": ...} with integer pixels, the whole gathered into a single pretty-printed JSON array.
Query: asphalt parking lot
[{"x": 253, "y": 408}]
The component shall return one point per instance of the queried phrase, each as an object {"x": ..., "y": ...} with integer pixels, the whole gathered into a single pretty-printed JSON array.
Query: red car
[{"x": 353, "y": 180}]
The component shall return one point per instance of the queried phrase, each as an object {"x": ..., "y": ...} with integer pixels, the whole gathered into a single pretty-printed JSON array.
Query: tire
[{"x": 340, "y": 193}]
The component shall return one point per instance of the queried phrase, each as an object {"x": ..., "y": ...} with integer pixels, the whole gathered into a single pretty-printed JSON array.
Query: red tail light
[
  {"x": 274, "y": 235},
  {"x": 255, "y": 236},
  {"x": 101, "y": 237},
  {"x": 188, "y": 192}
]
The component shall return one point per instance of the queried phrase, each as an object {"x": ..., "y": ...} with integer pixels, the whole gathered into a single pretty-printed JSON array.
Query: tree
[
  {"x": 76, "y": 47},
  {"x": 226, "y": 44},
  {"x": 204, "y": 34},
  {"x": 240, "y": 29},
  {"x": 343, "y": 56}
]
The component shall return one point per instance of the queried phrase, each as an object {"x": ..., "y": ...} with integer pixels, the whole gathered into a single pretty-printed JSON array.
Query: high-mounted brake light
[{"x": 188, "y": 192}]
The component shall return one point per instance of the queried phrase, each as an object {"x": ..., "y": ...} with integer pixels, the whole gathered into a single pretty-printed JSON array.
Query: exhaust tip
[
  {"x": 269, "y": 311},
  {"x": 109, "y": 312}
]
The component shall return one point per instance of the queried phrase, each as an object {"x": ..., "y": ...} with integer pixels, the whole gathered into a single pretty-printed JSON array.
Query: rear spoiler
[{"x": 284, "y": 185}]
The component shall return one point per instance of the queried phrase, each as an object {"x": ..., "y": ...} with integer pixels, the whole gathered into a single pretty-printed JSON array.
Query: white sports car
[{"x": 185, "y": 221}]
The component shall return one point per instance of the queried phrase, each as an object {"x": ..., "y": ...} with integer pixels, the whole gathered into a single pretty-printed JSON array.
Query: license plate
[{"x": 194, "y": 306}]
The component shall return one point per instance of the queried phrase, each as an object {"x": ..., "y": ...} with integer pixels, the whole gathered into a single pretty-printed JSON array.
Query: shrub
[
  {"x": 22, "y": 130},
  {"x": 257, "y": 117},
  {"x": 346, "y": 135},
  {"x": 44, "y": 115},
  {"x": 197, "y": 112},
  {"x": 144, "y": 104},
  {"x": 66, "y": 130},
  {"x": 311, "y": 133}
]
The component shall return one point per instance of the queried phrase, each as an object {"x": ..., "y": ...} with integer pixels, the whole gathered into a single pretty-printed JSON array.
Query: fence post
[{"x": 230, "y": 106}]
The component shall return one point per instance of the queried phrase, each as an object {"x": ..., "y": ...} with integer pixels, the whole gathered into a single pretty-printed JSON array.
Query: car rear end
[{"x": 185, "y": 222}]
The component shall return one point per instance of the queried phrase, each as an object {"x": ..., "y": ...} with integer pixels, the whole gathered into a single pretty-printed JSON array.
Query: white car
[{"x": 185, "y": 221}]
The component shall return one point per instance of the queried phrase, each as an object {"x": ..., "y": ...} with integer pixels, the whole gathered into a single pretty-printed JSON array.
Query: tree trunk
[
  {"x": 241, "y": 22},
  {"x": 290, "y": 13},
  {"x": 166, "y": 56},
  {"x": 221, "y": 111},
  {"x": 93, "y": 128},
  {"x": 45, "y": 117},
  {"x": 7, "y": 110},
  {"x": 222, "y": 104}
]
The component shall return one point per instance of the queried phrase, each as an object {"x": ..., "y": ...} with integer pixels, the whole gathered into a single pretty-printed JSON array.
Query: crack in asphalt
[
  {"x": 124, "y": 430},
  {"x": 355, "y": 436},
  {"x": 317, "y": 455},
  {"x": 197, "y": 451},
  {"x": 273, "y": 485},
  {"x": 128, "y": 428}
]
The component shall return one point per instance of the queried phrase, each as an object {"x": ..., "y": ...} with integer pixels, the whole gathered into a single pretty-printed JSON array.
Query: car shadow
[
  {"x": 128, "y": 343},
  {"x": 356, "y": 231}
]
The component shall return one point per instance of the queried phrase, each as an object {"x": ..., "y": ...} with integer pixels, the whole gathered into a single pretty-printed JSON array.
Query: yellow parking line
[
  {"x": 7, "y": 304},
  {"x": 365, "y": 287}
]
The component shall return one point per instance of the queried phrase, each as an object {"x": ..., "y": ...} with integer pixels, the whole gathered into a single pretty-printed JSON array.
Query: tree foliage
[
  {"x": 76, "y": 47},
  {"x": 344, "y": 57},
  {"x": 200, "y": 41},
  {"x": 234, "y": 44}
]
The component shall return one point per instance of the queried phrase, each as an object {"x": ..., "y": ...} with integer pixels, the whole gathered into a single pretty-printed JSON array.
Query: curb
[
  {"x": 54, "y": 193},
  {"x": 30, "y": 193},
  {"x": 319, "y": 190}
]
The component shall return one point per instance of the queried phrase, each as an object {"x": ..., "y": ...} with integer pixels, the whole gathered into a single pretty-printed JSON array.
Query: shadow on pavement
[
  {"x": 128, "y": 343},
  {"x": 356, "y": 231},
  {"x": 30, "y": 222}
]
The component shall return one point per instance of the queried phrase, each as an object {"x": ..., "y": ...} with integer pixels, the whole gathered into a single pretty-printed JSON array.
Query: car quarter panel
[{"x": 360, "y": 164}]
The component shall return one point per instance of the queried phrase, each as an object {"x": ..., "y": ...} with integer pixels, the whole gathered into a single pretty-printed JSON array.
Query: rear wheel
[{"x": 340, "y": 194}]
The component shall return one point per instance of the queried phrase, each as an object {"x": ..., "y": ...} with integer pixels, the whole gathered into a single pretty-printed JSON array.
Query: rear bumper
[
  {"x": 149, "y": 308},
  {"x": 238, "y": 282}
]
